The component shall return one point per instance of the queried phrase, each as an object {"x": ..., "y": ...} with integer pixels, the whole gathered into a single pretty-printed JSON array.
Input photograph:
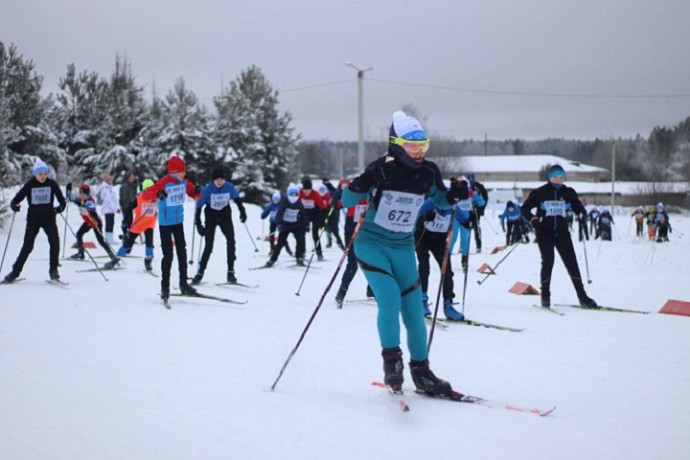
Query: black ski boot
[
  {"x": 300, "y": 262},
  {"x": 270, "y": 263},
  {"x": 165, "y": 291},
  {"x": 393, "y": 367},
  {"x": 232, "y": 279},
  {"x": 148, "y": 264},
  {"x": 54, "y": 275},
  {"x": 545, "y": 296},
  {"x": 186, "y": 289},
  {"x": 585, "y": 301},
  {"x": 79, "y": 255},
  {"x": 11, "y": 277},
  {"x": 426, "y": 382},
  {"x": 340, "y": 297},
  {"x": 197, "y": 278},
  {"x": 114, "y": 262},
  {"x": 370, "y": 293}
]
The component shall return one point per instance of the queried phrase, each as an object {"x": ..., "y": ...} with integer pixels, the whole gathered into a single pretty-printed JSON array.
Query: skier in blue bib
[
  {"x": 552, "y": 200},
  {"x": 397, "y": 184},
  {"x": 216, "y": 196}
]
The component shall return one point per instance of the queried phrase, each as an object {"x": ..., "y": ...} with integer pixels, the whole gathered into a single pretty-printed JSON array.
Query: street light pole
[
  {"x": 360, "y": 137},
  {"x": 613, "y": 177}
]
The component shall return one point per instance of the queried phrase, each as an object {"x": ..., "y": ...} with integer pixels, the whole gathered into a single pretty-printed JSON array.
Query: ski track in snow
[{"x": 103, "y": 370}]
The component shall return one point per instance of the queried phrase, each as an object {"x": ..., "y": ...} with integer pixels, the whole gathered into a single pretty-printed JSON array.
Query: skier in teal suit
[{"x": 396, "y": 185}]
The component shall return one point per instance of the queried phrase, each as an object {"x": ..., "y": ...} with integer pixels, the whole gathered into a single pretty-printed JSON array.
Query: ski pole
[
  {"x": 488, "y": 221},
  {"x": 466, "y": 271},
  {"x": 98, "y": 232},
  {"x": 318, "y": 244},
  {"x": 323, "y": 296},
  {"x": 250, "y": 237},
  {"x": 198, "y": 256},
  {"x": 309, "y": 263},
  {"x": 64, "y": 232},
  {"x": 444, "y": 268},
  {"x": 584, "y": 248},
  {"x": 8, "y": 240},
  {"x": 191, "y": 259},
  {"x": 85, "y": 250},
  {"x": 493, "y": 272}
]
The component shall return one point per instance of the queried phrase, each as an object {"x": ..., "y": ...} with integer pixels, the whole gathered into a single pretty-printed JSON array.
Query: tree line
[{"x": 94, "y": 125}]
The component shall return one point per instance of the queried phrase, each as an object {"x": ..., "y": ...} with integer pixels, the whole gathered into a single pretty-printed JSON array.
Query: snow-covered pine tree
[
  {"x": 253, "y": 138},
  {"x": 126, "y": 117},
  {"x": 186, "y": 133},
  {"x": 79, "y": 116},
  {"x": 22, "y": 135},
  {"x": 150, "y": 156}
]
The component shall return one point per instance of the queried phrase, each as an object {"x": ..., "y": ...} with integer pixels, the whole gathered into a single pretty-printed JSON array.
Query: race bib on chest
[
  {"x": 290, "y": 215},
  {"x": 308, "y": 204},
  {"x": 397, "y": 211},
  {"x": 554, "y": 208},
  {"x": 176, "y": 195},
  {"x": 440, "y": 224},
  {"x": 40, "y": 195},
  {"x": 465, "y": 205},
  {"x": 219, "y": 200},
  {"x": 272, "y": 214},
  {"x": 359, "y": 210}
]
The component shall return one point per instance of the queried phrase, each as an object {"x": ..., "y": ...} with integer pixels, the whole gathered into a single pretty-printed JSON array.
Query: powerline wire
[{"x": 530, "y": 94}]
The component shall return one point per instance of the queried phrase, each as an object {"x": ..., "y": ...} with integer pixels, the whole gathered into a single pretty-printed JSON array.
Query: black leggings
[
  {"x": 228, "y": 230},
  {"x": 561, "y": 241},
  {"x": 437, "y": 247},
  {"x": 50, "y": 228},
  {"x": 168, "y": 233}
]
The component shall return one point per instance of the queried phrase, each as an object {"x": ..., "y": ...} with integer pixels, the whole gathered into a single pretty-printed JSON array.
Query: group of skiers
[{"x": 398, "y": 212}]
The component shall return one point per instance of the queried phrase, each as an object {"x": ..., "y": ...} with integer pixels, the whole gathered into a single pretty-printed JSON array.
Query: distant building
[{"x": 505, "y": 168}]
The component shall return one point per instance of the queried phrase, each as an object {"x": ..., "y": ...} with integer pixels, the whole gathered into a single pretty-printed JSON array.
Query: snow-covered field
[{"x": 100, "y": 370}]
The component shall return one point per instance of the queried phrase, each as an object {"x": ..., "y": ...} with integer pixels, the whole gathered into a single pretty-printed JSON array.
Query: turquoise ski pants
[{"x": 393, "y": 276}]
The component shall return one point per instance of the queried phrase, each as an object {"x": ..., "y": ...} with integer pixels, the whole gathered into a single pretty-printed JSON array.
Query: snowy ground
[{"x": 102, "y": 370}]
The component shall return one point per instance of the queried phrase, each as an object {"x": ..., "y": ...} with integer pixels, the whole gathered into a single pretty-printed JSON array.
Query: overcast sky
[{"x": 527, "y": 69}]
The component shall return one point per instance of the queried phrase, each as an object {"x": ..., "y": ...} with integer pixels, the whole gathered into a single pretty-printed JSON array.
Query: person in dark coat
[
  {"x": 552, "y": 201},
  {"x": 39, "y": 191}
]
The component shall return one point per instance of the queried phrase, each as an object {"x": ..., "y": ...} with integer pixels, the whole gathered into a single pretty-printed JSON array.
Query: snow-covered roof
[
  {"x": 515, "y": 163},
  {"x": 623, "y": 188}
]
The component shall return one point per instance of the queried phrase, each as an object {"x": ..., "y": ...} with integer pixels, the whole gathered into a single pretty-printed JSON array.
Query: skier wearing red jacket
[
  {"x": 171, "y": 191},
  {"x": 315, "y": 207},
  {"x": 87, "y": 210}
]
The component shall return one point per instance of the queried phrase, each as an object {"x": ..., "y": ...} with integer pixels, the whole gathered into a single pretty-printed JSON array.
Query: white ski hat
[
  {"x": 39, "y": 167},
  {"x": 407, "y": 127}
]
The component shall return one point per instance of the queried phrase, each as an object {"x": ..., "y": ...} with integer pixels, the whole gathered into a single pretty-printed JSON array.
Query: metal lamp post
[{"x": 360, "y": 137}]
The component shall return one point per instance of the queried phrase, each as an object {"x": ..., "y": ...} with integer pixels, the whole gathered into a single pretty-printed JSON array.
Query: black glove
[
  {"x": 429, "y": 216},
  {"x": 162, "y": 195},
  {"x": 200, "y": 229},
  {"x": 534, "y": 221},
  {"x": 197, "y": 189},
  {"x": 60, "y": 208},
  {"x": 458, "y": 191},
  {"x": 68, "y": 188},
  {"x": 243, "y": 216},
  {"x": 14, "y": 207},
  {"x": 464, "y": 262}
]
